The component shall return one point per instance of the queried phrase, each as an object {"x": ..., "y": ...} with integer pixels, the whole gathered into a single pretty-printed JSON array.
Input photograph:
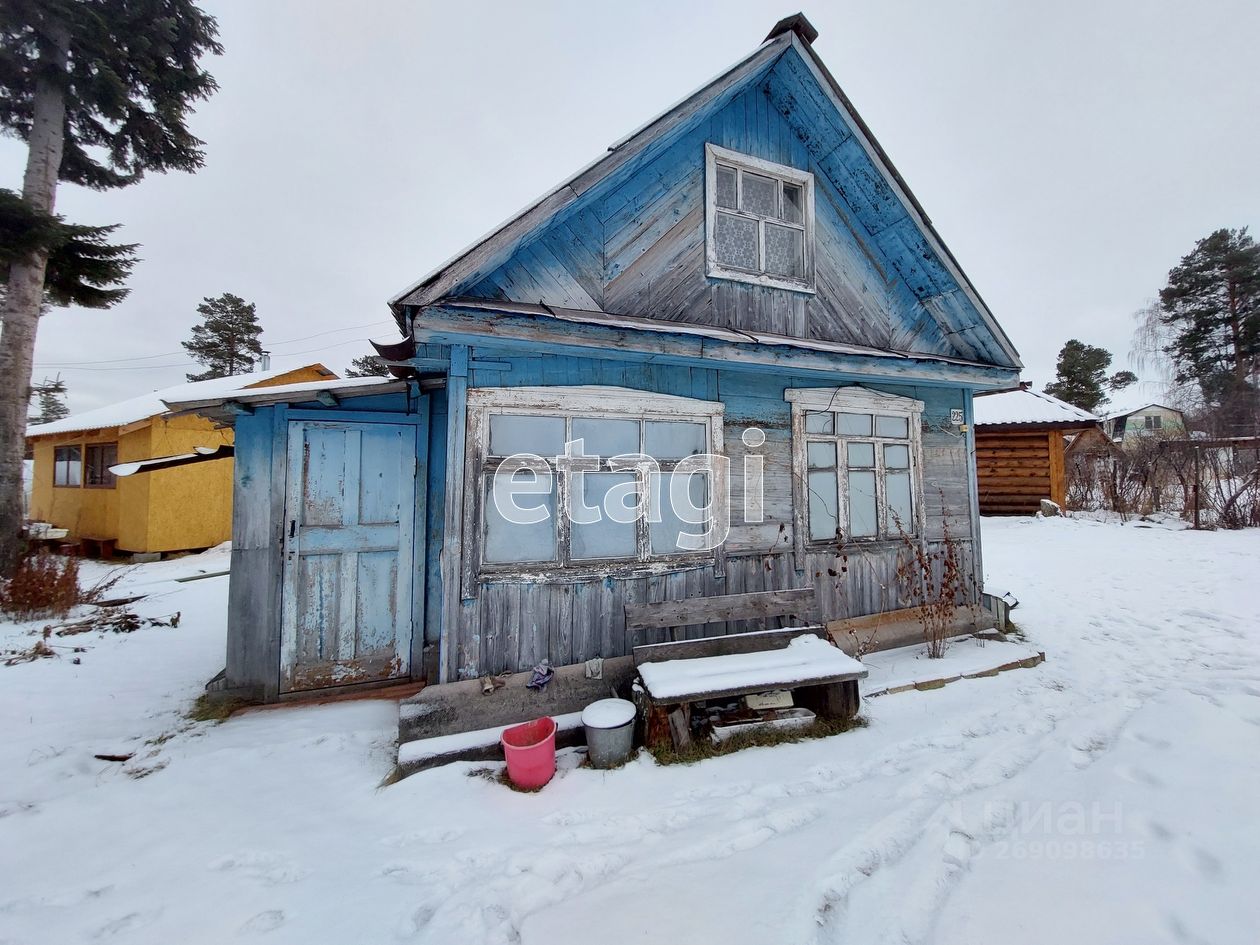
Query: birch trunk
[{"x": 26, "y": 291}]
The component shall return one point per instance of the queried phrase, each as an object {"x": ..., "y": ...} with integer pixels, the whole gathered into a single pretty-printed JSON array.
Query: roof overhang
[
  {"x": 200, "y": 454},
  {"x": 514, "y": 326},
  {"x": 1060, "y": 426},
  {"x": 325, "y": 393}
]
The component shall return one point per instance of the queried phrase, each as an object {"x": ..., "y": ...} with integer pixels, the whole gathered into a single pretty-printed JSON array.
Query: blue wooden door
[{"x": 349, "y": 554}]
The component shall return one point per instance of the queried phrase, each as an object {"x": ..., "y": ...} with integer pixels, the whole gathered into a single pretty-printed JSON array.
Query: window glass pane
[
  {"x": 735, "y": 242},
  {"x": 726, "y": 187},
  {"x": 896, "y": 456},
  {"x": 785, "y": 251},
  {"x": 855, "y": 424},
  {"x": 679, "y": 501},
  {"x": 67, "y": 466},
  {"x": 668, "y": 439},
  {"x": 606, "y": 438},
  {"x": 821, "y": 455},
  {"x": 512, "y": 433},
  {"x": 823, "y": 505},
  {"x": 760, "y": 195},
  {"x": 892, "y": 426},
  {"x": 100, "y": 456},
  {"x": 863, "y": 521},
  {"x": 861, "y": 454},
  {"x": 607, "y": 537},
  {"x": 819, "y": 422},
  {"x": 524, "y": 539},
  {"x": 900, "y": 508},
  {"x": 793, "y": 203}
]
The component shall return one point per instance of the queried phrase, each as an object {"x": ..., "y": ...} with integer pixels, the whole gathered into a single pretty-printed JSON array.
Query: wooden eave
[
  {"x": 1043, "y": 427},
  {"x": 531, "y": 328}
]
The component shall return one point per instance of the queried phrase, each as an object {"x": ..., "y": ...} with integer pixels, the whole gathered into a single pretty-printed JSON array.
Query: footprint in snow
[
  {"x": 268, "y": 868},
  {"x": 264, "y": 922},
  {"x": 126, "y": 923},
  {"x": 436, "y": 835}
]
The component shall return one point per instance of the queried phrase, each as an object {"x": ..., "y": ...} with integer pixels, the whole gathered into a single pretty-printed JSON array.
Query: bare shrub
[
  {"x": 47, "y": 585},
  {"x": 937, "y": 583}
]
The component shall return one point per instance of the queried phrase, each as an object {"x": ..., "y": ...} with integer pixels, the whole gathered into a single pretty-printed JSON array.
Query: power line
[
  {"x": 180, "y": 364},
  {"x": 167, "y": 354}
]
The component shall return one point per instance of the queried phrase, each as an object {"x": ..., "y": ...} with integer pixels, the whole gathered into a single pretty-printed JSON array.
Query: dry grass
[
  {"x": 702, "y": 748},
  {"x": 211, "y": 708}
]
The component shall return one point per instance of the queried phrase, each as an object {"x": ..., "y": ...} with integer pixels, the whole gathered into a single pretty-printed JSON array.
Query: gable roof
[
  {"x": 153, "y": 403},
  {"x": 1127, "y": 411},
  {"x": 901, "y": 216},
  {"x": 1022, "y": 407}
]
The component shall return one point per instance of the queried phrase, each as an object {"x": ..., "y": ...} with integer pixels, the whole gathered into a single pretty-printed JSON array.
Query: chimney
[
  {"x": 796, "y": 23},
  {"x": 264, "y": 363}
]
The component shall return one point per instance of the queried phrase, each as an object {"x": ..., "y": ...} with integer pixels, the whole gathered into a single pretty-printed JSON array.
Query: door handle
[{"x": 292, "y": 527}]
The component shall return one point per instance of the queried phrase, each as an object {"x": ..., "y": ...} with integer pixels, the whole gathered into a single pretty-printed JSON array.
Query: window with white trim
[
  {"x": 759, "y": 221},
  {"x": 594, "y": 479},
  {"x": 856, "y": 459}
]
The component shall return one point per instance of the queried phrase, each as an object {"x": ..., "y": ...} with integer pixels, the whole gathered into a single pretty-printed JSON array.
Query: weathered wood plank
[
  {"x": 755, "y": 642},
  {"x": 680, "y": 613}
]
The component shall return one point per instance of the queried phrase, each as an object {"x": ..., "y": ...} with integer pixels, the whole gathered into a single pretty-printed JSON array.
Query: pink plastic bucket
[{"x": 530, "y": 750}]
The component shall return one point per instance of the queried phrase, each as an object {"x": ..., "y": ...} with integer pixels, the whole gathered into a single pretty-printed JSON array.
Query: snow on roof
[
  {"x": 279, "y": 392},
  {"x": 1026, "y": 406},
  {"x": 152, "y": 404},
  {"x": 1116, "y": 413}
]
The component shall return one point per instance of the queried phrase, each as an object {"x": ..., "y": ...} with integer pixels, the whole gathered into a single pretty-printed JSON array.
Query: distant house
[
  {"x": 173, "y": 509},
  {"x": 1128, "y": 426},
  {"x": 744, "y": 295},
  {"x": 1020, "y": 443}
]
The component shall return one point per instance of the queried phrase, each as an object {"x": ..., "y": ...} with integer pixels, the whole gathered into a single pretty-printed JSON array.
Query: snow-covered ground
[{"x": 1106, "y": 796}]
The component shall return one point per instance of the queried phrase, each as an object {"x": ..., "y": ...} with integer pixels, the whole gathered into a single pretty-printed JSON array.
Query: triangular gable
[{"x": 567, "y": 249}]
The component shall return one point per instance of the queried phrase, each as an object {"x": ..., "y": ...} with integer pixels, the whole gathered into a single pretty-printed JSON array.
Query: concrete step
[
  {"x": 480, "y": 745},
  {"x": 460, "y": 707}
]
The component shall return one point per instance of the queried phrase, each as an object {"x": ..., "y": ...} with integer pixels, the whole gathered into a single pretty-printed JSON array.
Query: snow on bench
[{"x": 807, "y": 659}]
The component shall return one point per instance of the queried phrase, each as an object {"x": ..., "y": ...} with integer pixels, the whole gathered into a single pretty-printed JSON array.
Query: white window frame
[
  {"x": 853, "y": 400},
  {"x": 714, "y": 156},
  {"x": 584, "y": 402}
]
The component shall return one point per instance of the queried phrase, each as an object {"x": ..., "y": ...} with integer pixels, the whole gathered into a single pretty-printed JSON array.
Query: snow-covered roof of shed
[
  {"x": 1027, "y": 406},
  {"x": 153, "y": 403}
]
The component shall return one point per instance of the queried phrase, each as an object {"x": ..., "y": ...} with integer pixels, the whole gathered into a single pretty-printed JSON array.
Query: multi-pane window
[
  {"x": 99, "y": 457},
  {"x": 1153, "y": 422},
  {"x": 760, "y": 223},
  {"x": 580, "y": 488},
  {"x": 67, "y": 466},
  {"x": 857, "y": 464}
]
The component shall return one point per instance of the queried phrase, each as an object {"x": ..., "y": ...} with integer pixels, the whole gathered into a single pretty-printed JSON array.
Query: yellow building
[{"x": 174, "y": 509}]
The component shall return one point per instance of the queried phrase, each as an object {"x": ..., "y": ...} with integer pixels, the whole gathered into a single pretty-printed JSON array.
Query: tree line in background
[{"x": 1202, "y": 336}]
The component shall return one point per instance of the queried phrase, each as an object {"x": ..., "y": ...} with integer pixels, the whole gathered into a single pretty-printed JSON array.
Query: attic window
[{"x": 759, "y": 221}]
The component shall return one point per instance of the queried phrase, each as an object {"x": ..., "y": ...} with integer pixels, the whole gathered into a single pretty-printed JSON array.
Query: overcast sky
[{"x": 1069, "y": 154}]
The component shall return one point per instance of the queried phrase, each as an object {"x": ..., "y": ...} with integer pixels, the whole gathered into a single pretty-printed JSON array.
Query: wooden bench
[{"x": 820, "y": 675}]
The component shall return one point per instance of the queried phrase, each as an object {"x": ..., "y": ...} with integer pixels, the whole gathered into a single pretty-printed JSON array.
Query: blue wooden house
[{"x": 744, "y": 290}]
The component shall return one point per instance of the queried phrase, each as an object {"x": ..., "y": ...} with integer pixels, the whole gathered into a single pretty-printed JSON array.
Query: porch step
[
  {"x": 460, "y": 707},
  {"x": 480, "y": 745}
]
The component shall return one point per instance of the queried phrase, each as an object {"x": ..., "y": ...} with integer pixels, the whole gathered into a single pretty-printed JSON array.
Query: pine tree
[
  {"x": 52, "y": 401},
  {"x": 228, "y": 343},
  {"x": 367, "y": 365},
  {"x": 84, "y": 269},
  {"x": 1081, "y": 376},
  {"x": 100, "y": 90},
  {"x": 1211, "y": 311}
]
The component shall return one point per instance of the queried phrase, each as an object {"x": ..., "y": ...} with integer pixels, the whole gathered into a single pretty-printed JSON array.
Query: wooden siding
[
  {"x": 634, "y": 245},
  {"x": 1019, "y": 468},
  {"x": 508, "y": 625}
]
